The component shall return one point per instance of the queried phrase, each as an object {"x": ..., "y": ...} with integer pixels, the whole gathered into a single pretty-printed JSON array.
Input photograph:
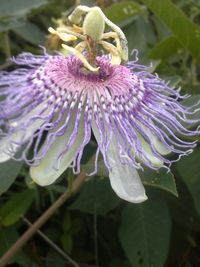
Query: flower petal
[
  {"x": 159, "y": 146},
  {"x": 124, "y": 179},
  {"x": 147, "y": 147},
  {"x": 8, "y": 148},
  {"x": 12, "y": 143},
  {"x": 46, "y": 173},
  {"x": 149, "y": 154}
]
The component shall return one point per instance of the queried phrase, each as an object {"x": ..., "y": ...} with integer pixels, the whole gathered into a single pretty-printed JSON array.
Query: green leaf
[
  {"x": 11, "y": 24},
  {"x": 8, "y": 236},
  {"x": 67, "y": 222},
  {"x": 102, "y": 170},
  {"x": 139, "y": 35},
  {"x": 173, "y": 81},
  {"x": 87, "y": 2},
  {"x": 16, "y": 206},
  {"x": 187, "y": 33},
  {"x": 31, "y": 33},
  {"x": 165, "y": 48},
  {"x": 194, "y": 103},
  {"x": 67, "y": 242},
  {"x": 182, "y": 209},
  {"x": 189, "y": 170},
  {"x": 96, "y": 196},
  {"x": 160, "y": 179},
  {"x": 187, "y": 265},
  {"x": 123, "y": 13},
  {"x": 191, "y": 101},
  {"x": 13, "y": 13},
  {"x": 57, "y": 259},
  {"x": 19, "y": 8},
  {"x": 119, "y": 263},
  {"x": 145, "y": 233},
  {"x": 8, "y": 174}
]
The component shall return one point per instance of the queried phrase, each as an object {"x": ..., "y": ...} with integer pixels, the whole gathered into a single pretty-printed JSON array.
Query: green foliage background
[{"x": 95, "y": 228}]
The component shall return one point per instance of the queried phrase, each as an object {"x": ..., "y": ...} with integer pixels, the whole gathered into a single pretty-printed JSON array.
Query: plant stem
[
  {"x": 7, "y": 45},
  {"x": 52, "y": 244},
  {"x": 96, "y": 239},
  {"x": 100, "y": 3},
  {"x": 5, "y": 65},
  {"x": 42, "y": 220}
]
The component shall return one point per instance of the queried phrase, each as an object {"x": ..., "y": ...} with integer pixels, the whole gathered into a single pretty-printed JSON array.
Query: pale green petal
[
  {"x": 159, "y": 147},
  {"x": 8, "y": 145},
  {"x": 45, "y": 173},
  {"x": 149, "y": 154},
  {"x": 3, "y": 156},
  {"x": 124, "y": 178}
]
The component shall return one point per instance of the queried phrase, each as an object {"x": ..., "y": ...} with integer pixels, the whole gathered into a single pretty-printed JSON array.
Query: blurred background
[{"x": 95, "y": 228}]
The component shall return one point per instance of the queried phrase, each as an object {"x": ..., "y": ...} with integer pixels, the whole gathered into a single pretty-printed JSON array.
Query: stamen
[{"x": 93, "y": 36}]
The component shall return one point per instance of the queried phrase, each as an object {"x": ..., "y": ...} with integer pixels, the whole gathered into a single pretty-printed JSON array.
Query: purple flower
[{"x": 52, "y": 105}]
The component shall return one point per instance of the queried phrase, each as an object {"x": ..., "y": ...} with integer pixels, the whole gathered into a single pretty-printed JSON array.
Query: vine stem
[
  {"x": 6, "y": 45},
  {"x": 52, "y": 244},
  {"x": 101, "y": 3},
  {"x": 42, "y": 220},
  {"x": 77, "y": 2}
]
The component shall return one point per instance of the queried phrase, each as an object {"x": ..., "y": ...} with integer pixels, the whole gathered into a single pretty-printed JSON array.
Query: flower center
[{"x": 77, "y": 69}]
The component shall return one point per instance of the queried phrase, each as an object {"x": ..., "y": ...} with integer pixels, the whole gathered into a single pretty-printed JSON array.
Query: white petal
[
  {"x": 3, "y": 156},
  {"x": 124, "y": 178},
  {"x": 160, "y": 147},
  {"x": 8, "y": 144},
  {"x": 149, "y": 154},
  {"x": 45, "y": 173}
]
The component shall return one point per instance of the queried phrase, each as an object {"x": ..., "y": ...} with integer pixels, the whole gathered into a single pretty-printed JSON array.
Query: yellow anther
[
  {"x": 70, "y": 30},
  {"x": 63, "y": 36},
  {"x": 77, "y": 28},
  {"x": 87, "y": 24},
  {"x": 67, "y": 37},
  {"x": 52, "y": 31}
]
